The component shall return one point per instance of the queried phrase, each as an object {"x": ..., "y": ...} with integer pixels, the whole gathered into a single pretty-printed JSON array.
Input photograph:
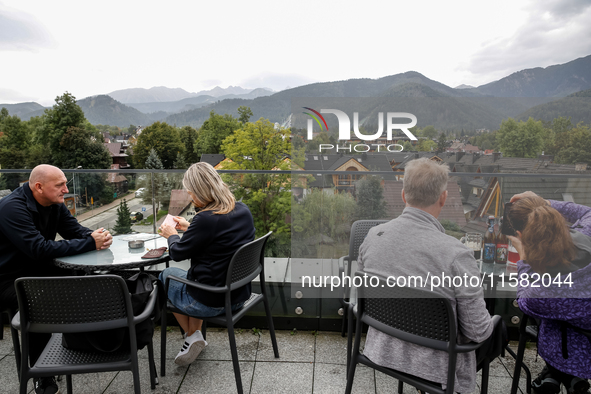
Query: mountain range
[{"x": 536, "y": 92}]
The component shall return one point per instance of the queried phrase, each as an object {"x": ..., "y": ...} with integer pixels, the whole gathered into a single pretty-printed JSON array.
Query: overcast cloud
[
  {"x": 20, "y": 31},
  {"x": 555, "y": 32},
  {"x": 86, "y": 48}
]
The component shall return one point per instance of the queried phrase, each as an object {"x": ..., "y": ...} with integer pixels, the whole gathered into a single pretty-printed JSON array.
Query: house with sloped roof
[
  {"x": 117, "y": 151},
  {"x": 118, "y": 181},
  {"x": 352, "y": 167},
  {"x": 452, "y": 210},
  {"x": 213, "y": 159},
  {"x": 180, "y": 205}
]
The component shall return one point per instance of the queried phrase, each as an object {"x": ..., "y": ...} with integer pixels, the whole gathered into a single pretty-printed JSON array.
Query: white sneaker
[{"x": 191, "y": 349}]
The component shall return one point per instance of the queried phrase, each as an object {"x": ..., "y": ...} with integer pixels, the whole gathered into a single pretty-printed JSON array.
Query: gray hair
[
  {"x": 424, "y": 181},
  {"x": 207, "y": 186}
]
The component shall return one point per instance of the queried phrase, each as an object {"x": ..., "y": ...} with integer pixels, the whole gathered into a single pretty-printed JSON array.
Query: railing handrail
[{"x": 315, "y": 172}]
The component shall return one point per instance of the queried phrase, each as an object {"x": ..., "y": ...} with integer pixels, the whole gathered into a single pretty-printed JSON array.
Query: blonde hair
[
  {"x": 207, "y": 186},
  {"x": 544, "y": 233},
  {"x": 424, "y": 181}
]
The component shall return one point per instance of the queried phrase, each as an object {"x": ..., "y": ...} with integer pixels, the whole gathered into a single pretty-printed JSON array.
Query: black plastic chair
[
  {"x": 416, "y": 316},
  {"x": 246, "y": 264},
  {"x": 59, "y": 305},
  {"x": 531, "y": 333},
  {"x": 359, "y": 231},
  {"x": 15, "y": 340}
]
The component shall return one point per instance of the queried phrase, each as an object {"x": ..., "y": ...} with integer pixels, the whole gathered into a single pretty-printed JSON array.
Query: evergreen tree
[
  {"x": 123, "y": 224},
  {"x": 442, "y": 142},
  {"x": 370, "y": 198},
  {"x": 162, "y": 188},
  {"x": 189, "y": 138},
  {"x": 180, "y": 161}
]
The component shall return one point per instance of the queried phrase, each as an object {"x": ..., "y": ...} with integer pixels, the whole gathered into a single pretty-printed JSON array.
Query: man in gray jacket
[{"x": 415, "y": 244}]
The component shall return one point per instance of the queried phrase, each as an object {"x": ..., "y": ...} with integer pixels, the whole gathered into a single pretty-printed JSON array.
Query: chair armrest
[
  {"x": 497, "y": 339},
  {"x": 196, "y": 285},
  {"x": 16, "y": 321},
  {"x": 342, "y": 264},
  {"x": 149, "y": 307}
]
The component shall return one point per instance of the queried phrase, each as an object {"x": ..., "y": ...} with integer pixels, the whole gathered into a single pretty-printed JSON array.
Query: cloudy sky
[{"x": 49, "y": 47}]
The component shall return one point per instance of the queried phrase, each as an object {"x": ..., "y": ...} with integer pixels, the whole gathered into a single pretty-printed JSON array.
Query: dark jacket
[
  {"x": 27, "y": 243},
  {"x": 210, "y": 242}
]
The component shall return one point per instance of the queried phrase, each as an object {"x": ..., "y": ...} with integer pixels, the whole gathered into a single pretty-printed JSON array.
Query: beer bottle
[
  {"x": 502, "y": 248},
  {"x": 490, "y": 244}
]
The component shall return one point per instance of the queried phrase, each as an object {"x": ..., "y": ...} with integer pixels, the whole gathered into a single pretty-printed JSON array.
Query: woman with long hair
[
  {"x": 554, "y": 285},
  {"x": 219, "y": 228}
]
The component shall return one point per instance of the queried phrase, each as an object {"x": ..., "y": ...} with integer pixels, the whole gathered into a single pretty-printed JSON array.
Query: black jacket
[
  {"x": 27, "y": 245},
  {"x": 210, "y": 242}
]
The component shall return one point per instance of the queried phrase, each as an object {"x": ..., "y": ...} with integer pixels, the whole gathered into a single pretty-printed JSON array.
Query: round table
[{"x": 119, "y": 256}]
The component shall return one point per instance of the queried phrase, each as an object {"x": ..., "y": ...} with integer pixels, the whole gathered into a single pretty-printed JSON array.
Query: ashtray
[{"x": 135, "y": 244}]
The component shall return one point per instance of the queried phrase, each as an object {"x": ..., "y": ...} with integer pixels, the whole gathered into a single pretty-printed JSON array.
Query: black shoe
[
  {"x": 546, "y": 382},
  {"x": 46, "y": 386},
  {"x": 575, "y": 385}
]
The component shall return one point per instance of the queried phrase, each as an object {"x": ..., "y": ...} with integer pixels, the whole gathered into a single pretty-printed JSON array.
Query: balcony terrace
[{"x": 312, "y": 351}]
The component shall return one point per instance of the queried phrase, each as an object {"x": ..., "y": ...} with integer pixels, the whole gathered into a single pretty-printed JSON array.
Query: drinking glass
[{"x": 474, "y": 242}]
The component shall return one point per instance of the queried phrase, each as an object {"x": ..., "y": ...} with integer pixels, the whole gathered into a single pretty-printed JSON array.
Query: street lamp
[{"x": 74, "y": 179}]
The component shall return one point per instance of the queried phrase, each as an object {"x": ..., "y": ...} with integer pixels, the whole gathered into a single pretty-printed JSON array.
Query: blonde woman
[{"x": 219, "y": 228}]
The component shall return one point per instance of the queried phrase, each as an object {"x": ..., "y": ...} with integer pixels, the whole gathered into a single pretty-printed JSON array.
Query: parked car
[
  {"x": 140, "y": 192},
  {"x": 136, "y": 216}
]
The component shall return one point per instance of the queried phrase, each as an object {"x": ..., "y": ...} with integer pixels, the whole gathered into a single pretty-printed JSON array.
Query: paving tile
[
  {"x": 298, "y": 347},
  {"x": 174, "y": 341},
  {"x": 218, "y": 347},
  {"x": 90, "y": 383},
  {"x": 332, "y": 379},
  {"x": 6, "y": 343},
  {"x": 123, "y": 382},
  {"x": 331, "y": 348},
  {"x": 206, "y": 376},
  {"x": 9, "y": 382},
  {"x": 499, "y": 385},
  {"x": 285, "y": 378},
  {"x": 388, "y": 385}
]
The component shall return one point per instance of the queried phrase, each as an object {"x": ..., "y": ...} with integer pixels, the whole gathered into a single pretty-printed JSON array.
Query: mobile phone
[{"x": 507, "y": 226}]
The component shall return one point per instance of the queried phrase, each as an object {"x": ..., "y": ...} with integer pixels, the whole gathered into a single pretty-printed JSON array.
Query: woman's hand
[
  {"x": 181, "y": 223},
  {"x": 166, "y": 230},
  {"x": 516, "y": 242}
]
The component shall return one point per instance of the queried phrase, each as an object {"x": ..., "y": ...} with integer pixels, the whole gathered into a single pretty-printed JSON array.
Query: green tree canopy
[
  {"x": 189, "y": 139},
  {"x": 64, "y": 114},
  {"x": 156, "y": 183},
  {"x": 442, "y": 142},
  {"x": 161, "y": 137},
  {"x": 574, "y": 146},
  {"x": 15, "y": 140},
  {"x": 371, "y": 203},
  {"x": 521, "y": 139},
  {"x": 215, "y": 130},
  {"x": 81, "y": 147},
  {"x": 319, "y": 215},
  {"x": 245, "y": 114},
  {"x": 259, "y": 146},
  {"x": 428, "y": 132}
]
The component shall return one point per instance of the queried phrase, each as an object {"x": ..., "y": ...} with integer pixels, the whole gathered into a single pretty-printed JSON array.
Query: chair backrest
[
  {"x": 73, "y": 304},
  {"x": 359, "y": 231},
  {"x": 247, "y": 262},
  {"x": 411, "y": 314}
]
